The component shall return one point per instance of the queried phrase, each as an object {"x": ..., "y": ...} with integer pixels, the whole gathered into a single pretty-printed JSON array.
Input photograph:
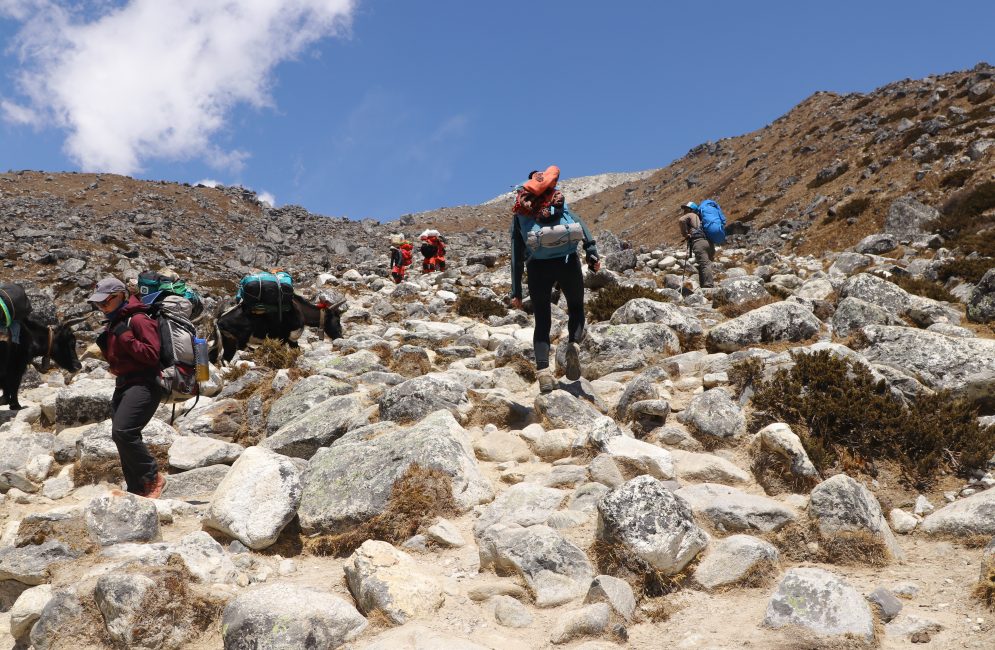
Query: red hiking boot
[{"x": 153, "y": 489}]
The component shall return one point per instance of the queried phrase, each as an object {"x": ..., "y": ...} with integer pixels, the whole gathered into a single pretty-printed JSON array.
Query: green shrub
[
  {"x": 969, "y": 269},
  {"x": 478, "y": 307},
  {"x": 957, "y": 178},
  {"x": 923, "y": 287},
  {"x": 609, "y": 299},
  {"x": 841, "y": 412}
]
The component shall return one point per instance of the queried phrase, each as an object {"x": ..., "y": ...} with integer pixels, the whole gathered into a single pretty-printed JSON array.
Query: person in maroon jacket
[{"x": 130, "y": 344}]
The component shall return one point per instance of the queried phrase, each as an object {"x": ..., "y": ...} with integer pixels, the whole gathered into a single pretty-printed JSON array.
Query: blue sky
[{"x": 376, "y": 108}]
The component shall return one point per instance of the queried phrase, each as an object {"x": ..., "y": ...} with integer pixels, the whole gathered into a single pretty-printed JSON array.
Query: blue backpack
[{"x": 713, "y": 222}]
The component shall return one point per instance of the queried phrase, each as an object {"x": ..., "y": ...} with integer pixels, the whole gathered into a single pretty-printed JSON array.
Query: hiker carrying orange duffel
[{"x": 433, "y": 249}]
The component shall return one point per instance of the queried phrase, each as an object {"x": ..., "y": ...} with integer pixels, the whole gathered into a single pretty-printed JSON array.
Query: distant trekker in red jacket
[
  {"x": 130, "y": 344},
  {"x": 433, "y": 249}
]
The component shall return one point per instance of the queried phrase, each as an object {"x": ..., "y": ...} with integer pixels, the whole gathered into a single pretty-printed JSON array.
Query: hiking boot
[
  {"x": 153, "y": 489},
  {"x": 573, "y": 362},
  {"x": 546, "y": 382}
]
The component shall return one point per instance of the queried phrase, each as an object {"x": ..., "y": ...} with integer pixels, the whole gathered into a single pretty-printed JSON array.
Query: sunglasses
[{"x": 106, "y": 301}]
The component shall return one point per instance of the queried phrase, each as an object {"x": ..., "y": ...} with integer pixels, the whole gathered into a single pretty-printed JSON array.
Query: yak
[
  {"x": 236, "y": 328},
  {"x": 52, "y": 343}
]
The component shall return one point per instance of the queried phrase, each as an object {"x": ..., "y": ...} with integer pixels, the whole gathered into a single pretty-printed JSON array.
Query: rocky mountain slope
[{"x": 802, "y": 457}]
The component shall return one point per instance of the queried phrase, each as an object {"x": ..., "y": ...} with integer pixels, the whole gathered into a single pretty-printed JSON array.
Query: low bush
[
  {"x": 924, "y": 288},
  {"x": 956, "y": 179},
  {"x": 842, "y": 413},
  {"x": 479, "y": 307},
  {"x": 969, "y": 269},
  {"x": 908, "y": 112},
  {"x": 608, "y": 300},
  {"x": 853, "y": 208}
]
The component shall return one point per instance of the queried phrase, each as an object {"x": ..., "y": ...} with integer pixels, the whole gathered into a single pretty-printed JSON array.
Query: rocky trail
[{"x": 407, "y": 486}]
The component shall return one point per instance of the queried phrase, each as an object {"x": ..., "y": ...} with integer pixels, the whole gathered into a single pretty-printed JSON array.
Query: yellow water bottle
[{"x": 200, "y": 358}]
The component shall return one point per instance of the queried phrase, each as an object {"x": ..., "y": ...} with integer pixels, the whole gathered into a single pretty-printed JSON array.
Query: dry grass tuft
[
  {"x": 417, "y": 498},
  {"x": 172, "y": 604},
  {"x": 735, "y": 310},
  {"x": 608, "y": 300},
  {"x": 656, "y": 610},
  {"x": 615, "y": 560},
  {"x": 985, "y": 589},
  {"x": 71, "y": 531},
  {"x": 275, "y": 354},
  {"x": 802, "y": 542},
  {"x": 774, "y": 475}
]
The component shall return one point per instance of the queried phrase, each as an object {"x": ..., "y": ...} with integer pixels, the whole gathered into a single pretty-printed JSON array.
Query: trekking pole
[{"x": 687, "y": 260}]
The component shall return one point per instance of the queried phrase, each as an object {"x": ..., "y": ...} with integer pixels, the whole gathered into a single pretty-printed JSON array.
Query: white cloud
[
  {"x": 208, "y": 182},
  {"x": 149, "y": 79},
  {"x": 267, "y": 198}
]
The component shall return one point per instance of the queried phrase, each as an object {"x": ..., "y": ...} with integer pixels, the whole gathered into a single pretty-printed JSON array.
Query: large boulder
[
  {"x": 386, "y": 580},
  {"x": 84, "y": 401},
  {"x": 779, "y": 439},
  {"x": 730, "y": 509},
  {"x": 554, "y": 570},
  {"x": 257, "y": 498},
  {"x": 351, "y": 481},
  {"x": 30, "y": 565},
  {"x": 780, "y": 321},
  {"x": 562, "y": 410},
  {"x": 416, "y": 398},
  {"x": 611, "y": 348},
  {"x": 120, "y": 519},
  {"x": 647, "y": 310},
  {"x": 319, "y": 427},
  {"x": 651, "y": 523},
  {"x": 981, "y": 304},
  {"x": 191, "y": 452},
  {"x": 877, "y": 244},
  {"x": 741, "y": 290},
  {"x": 17, "y": 449},
  {"x": 908, "y": 217},
  {"x": 877, "y": 291},
  {"x": 119, "y": 598},
  {"x": 524, "y": 504},
  {"x": 821, "y": 602},
  {"x": 853, "y": 313},
  {"x": 736, "y": 559},
  {"x": 195, "y": 484},
  {"x": 302, "y": 397},
  {"x": 965, "y": 366},
  {"x": 281, "y": 616},
  {"x": 842, "y": 506},
  {"x": 714, "y": 413},
  {"x": 973, "y": 515}
]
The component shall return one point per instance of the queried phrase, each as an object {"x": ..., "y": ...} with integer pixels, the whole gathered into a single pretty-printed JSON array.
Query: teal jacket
[{"x": 522, "y": 224}]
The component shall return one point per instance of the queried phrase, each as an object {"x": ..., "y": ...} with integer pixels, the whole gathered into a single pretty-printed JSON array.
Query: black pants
[
  {"x": 543, "y": 274},
  {"x": 133, "y": 407}
]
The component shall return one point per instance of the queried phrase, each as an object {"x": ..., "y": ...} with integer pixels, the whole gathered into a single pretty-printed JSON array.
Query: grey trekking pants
[{"x": 704, "y": 254}]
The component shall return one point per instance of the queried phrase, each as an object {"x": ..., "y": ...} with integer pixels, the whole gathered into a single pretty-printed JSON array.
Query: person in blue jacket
[{"x": 544, "y": 238}]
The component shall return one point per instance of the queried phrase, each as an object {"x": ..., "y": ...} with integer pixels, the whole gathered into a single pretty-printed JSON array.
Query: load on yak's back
[{"x": 267, "y": 306}]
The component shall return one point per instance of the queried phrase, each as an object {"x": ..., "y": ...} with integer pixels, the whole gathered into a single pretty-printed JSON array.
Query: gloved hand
[
  {"x": 594, "y": 264},
  {"x": 102, "y": 340},
  {"x": 121, "y": 328}
]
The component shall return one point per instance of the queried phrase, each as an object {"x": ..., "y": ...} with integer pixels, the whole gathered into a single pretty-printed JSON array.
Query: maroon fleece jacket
[{"x": 133, "y": 355}]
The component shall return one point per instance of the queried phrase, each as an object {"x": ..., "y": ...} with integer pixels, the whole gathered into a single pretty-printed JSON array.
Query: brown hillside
[{"x": 922, "y": 137}]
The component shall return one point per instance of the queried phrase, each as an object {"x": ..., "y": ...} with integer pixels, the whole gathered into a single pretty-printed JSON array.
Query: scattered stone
[
  {"x": 819, "y": 601},
  {"x": 119, "y": 519},
  {"x": 387, "y": 580},
  {"x": 288, "y": 616},
  {"x": 587, "y": 621},
  {"x": 737, "y": 560},
  {"x": 617, "y": 593},
  {"x": 511, "y": 613}
]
